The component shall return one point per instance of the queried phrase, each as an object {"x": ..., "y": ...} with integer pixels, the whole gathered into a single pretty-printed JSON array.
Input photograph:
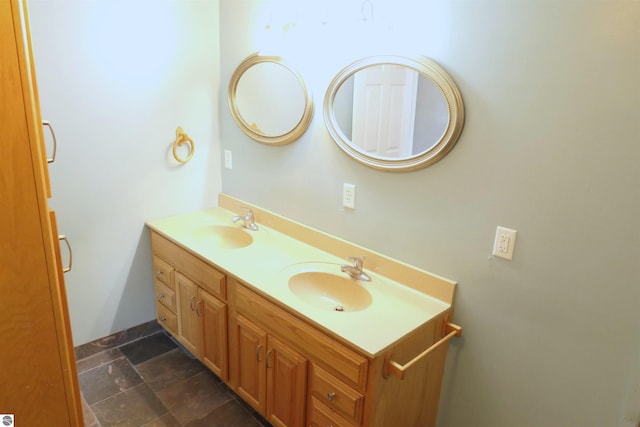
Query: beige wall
[{"x": 550, "y": 148}]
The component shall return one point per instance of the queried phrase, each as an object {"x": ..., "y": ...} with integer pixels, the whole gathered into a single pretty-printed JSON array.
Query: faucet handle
[
  {"x": 247, "y": 219},
  {"x": 357, "y": 261},
  {"x": 249, "y": 212}
]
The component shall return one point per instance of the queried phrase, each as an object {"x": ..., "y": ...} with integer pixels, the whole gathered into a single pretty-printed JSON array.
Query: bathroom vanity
[{"x": 274, "y": 315}]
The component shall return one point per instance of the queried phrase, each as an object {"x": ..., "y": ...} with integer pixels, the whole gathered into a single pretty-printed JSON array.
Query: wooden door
[
  {"x": 39, "y": 384},
  {"x": 189, "y": 314},
  {"x": 286, "y": 385},
  {"x": 384, "y": 109},
  {"x": 214, "y": 335},
  {"x": 251, "y": 347}
]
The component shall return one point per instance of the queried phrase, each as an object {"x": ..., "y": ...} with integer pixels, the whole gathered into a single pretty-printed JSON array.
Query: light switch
[{"x": 228, "y": 160}]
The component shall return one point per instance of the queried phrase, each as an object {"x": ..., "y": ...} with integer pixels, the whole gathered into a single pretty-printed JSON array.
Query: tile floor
[{"x": 141, "y": 377}]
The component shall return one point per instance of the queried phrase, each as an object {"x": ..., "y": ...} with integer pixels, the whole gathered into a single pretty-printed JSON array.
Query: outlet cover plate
[
  {"x": 349, "y": 196},
  {"x": 504, "y": 243}
]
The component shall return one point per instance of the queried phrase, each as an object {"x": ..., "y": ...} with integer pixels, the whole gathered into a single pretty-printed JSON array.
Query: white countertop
[{"x": 265, "y": 265}]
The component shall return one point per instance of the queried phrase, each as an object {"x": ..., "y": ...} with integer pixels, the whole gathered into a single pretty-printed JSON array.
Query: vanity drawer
[
  {"x": 167, "y": 318},
  {"x": 321, "y": 416},
  {"x": 163, "y": 272},
  {"x": 342, "y": 361},
  {"x": 165, "y": 295},
  {"x": 201, "y": 273},
  {"x": 335, "y": 394}
]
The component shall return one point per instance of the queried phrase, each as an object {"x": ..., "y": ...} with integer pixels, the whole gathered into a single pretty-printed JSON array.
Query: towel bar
[{"x": 392, "y": 367}]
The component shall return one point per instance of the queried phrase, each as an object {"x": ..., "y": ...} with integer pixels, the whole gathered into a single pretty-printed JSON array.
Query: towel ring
[{"x": 181, "y": 138}]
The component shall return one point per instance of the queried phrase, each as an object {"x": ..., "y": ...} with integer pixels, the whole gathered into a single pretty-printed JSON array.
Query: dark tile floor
[{"x": 153, "y": 382}]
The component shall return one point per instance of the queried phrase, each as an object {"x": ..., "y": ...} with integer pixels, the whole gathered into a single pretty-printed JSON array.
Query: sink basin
[
  {"x": 224, "y": 236},
  {"x": 329, "y": 291}
]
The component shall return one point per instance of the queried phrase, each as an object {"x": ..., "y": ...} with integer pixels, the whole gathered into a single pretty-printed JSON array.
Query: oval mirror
[
  {"x": 269, "y": 100},
  {"x": 393, "y": 112}
]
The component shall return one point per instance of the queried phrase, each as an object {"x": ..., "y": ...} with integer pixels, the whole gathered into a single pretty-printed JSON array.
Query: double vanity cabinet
[{"x": 226, "y": 294}]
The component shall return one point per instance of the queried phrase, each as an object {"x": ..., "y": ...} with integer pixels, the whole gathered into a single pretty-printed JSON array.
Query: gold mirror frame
[
  {"x": 252, "y": 130},
  {"x": 425, "y": 67}
]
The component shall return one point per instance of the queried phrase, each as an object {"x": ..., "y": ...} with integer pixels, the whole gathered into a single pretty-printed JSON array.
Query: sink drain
[{"x": 339, "y": 308}]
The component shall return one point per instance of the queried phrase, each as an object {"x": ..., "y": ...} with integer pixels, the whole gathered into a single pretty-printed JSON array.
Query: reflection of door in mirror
[
  {"x": 426, "y": 114},
  {"x": 384, "y": 110},
  {"x": 394, "y": 113}
]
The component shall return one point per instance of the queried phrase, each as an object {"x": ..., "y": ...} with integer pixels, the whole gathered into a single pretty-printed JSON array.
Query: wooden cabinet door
[
  {"x": 214, "y": 334},
  {"x": 189, "y": 314},
  {"x": 286, "y": 385},
  {"x": 39, "y": 381},
  {"x": 251, "y": 343}
]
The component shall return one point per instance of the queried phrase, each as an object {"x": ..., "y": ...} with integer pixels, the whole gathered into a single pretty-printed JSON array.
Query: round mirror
[
  {"x": 269, "y": 100},
  {"x": 393, "y": 112}
]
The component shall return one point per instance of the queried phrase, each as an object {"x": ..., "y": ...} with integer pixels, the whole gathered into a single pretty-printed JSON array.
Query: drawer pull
[
  {"x": 331, "y": 395},
  {"x": 53, "y": 138},
  {"x": 391, "y": 367},
  {"x": 63, "y": 238}
]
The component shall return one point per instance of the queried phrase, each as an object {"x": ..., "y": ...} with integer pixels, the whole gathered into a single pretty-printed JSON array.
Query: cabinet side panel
[{"x": 414, "y": 399}]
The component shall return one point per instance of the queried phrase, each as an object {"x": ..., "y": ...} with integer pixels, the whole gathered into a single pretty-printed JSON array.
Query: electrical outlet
[
  {"x": 228, "y": 159},
  {"x": 349, "y": 196},
  {"x": 505, "y": 242}
]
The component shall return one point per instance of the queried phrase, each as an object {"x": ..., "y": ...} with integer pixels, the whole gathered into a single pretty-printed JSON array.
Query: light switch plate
[
  {"x": 504, "y": 243},
  {"x": 228, "y": 159}
]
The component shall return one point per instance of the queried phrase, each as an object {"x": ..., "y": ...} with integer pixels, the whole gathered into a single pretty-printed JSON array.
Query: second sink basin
[
  {"x": 329, "y": 291},
  {"x": 224, "y": 236}
]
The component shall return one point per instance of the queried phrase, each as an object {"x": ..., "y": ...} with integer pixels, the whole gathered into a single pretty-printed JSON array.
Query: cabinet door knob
[
  {"x": 163, "y": 319},
  {"x": 161, "y": 296},
  {"x": 331, "y": 395},
  {"x": 258, "y": 348}
]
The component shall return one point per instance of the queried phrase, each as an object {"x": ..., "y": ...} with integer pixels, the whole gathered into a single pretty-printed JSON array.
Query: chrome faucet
[
  {"x": 247, "y": 219},
  {"x": 355, "y": 270}
]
